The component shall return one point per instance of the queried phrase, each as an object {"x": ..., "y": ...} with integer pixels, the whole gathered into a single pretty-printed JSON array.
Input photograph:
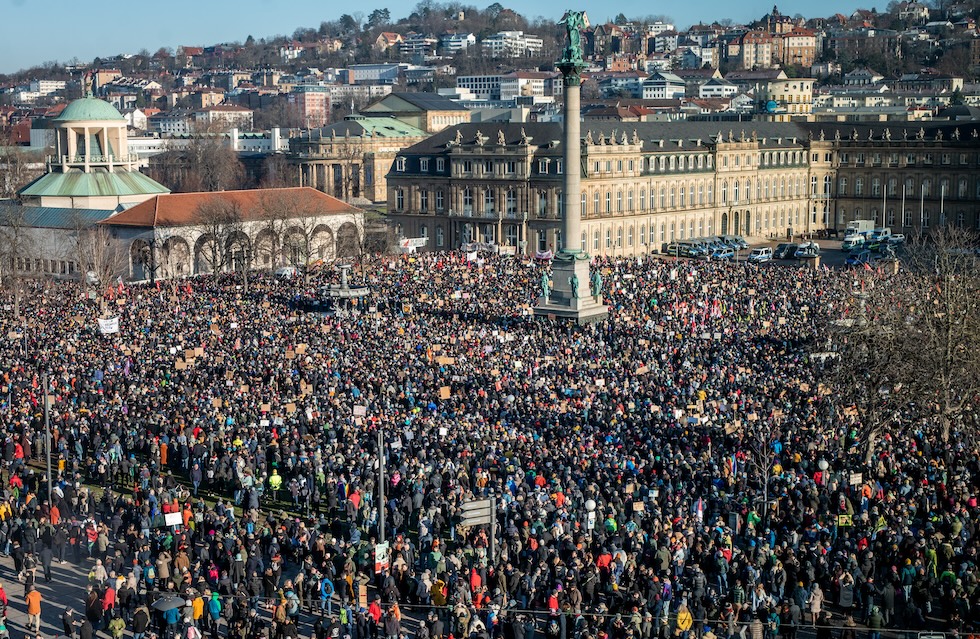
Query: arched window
[{"x": 724, "y": 192}]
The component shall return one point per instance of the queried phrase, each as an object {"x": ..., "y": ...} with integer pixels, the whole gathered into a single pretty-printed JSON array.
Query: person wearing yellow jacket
[{"x": 275, "y": 483}]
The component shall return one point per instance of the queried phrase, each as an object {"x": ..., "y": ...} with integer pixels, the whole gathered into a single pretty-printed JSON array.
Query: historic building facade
[
  {"x": 646, "y": 184},
  {"x": 910, "y": 179},
  {"x": 349, "y": 159},
  {"x": 643, "y": 185}
]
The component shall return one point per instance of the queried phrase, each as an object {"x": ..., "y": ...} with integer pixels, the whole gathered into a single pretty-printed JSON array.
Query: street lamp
[{"x": 47, "y": 432}]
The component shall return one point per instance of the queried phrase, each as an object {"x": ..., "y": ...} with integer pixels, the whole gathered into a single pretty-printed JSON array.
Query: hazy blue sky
[{"x": 34, "y": 31}]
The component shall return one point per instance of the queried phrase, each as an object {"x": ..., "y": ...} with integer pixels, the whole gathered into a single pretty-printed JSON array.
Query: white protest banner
[{"x": 107, "y": 326}]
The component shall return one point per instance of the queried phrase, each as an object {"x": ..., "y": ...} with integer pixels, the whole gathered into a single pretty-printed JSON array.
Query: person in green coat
[{"x": 116, "y": 627}]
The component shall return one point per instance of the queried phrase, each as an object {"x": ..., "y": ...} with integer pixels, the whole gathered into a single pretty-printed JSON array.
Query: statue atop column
[{"x": 574, "y": 22}]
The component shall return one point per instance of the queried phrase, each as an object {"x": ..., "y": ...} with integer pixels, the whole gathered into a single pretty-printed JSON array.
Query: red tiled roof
[
  {"x": 228, "y": 108},
  {"x": 182, "y": 209}
]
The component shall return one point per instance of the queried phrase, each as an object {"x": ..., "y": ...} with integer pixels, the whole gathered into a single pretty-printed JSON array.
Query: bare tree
[
  {"x": 867, "y": 373},
  {"x": 277, "y": 173},
  {"x": 18, "y": 167},
  {"x": 222, "y": 222},
  {"x": 204, "y": 163},
  {"x": 943, "y": 325},
  {"x": 350, "y": 152},
  {"x": 99, "y": 256},
  {"x": 760, "y": 439},
  {"x": 16, "y": 245},
  {"x": 273, "y": 211}
]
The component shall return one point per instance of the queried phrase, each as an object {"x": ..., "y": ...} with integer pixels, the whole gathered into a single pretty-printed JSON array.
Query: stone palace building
[{"x": 646, "y": 184}]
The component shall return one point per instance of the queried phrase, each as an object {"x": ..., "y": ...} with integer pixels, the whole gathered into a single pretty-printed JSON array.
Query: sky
[{"x": 35, "y": 31}]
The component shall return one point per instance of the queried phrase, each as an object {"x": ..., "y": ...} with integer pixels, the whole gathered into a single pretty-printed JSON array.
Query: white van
[{"x": 761, "y": 254}]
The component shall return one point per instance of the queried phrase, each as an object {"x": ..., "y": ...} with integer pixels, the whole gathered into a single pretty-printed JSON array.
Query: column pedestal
[{"x": 562, "y": 303}]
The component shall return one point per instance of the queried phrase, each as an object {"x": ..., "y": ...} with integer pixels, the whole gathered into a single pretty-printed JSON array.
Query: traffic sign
[{"x": 477, "y": 513}]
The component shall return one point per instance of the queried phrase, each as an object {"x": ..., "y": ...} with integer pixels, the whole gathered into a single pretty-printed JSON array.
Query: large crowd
[{"x": 679, "y": 469}]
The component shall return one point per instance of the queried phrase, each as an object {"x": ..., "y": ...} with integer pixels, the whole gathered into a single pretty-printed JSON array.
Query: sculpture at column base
[{"x": 564, "y": 303}]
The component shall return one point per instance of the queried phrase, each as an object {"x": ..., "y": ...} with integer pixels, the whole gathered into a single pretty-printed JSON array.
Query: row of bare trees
[
  {"x": 286, "y": 230},
  {"x": 908, "y": 355},
  {"x": 97, "y": 256}
]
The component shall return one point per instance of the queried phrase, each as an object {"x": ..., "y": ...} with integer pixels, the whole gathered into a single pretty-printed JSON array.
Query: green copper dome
[{"x": 89, "y": 109}]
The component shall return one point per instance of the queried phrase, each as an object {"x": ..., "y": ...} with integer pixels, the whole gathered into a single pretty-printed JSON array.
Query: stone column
[
  {"x": 88, "y": 149},
  {"x": 572, "y": 143},
  {"x": 570, "y": 294}
]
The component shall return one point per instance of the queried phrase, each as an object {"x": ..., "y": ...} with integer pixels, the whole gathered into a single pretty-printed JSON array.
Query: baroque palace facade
[{"x": 647, "y": 184}]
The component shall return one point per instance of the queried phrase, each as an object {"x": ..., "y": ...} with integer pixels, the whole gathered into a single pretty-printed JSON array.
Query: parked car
[
  {"x": 737, "y": 242},
  {"x": 852, "y": 242},
  {"x": 676, "y": 249},
  {"x": 723, "y": 254},
  {"x": 896, "y": 238},
  {"x": 860, "y": 259},
  {"x": 785, "y": 251},
  {"x": 285, "y": 272},
  {"x": 759, "y": 255}
]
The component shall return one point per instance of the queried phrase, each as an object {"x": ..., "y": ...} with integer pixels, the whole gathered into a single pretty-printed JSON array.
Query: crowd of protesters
[{"x": 679, "y": 469}]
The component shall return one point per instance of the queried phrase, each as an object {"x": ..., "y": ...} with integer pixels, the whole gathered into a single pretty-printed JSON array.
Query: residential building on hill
[{"x": 512, "y": 44}]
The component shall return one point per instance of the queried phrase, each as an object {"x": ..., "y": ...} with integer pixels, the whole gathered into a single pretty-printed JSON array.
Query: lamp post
[
  {"x": 381, "y": 485},
  {"x": 47, "y": 432},
  {"x": 590, "y": 507}
]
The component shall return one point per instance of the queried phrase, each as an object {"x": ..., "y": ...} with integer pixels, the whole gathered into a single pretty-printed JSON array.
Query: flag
[{"x": 732, "y": 465}]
